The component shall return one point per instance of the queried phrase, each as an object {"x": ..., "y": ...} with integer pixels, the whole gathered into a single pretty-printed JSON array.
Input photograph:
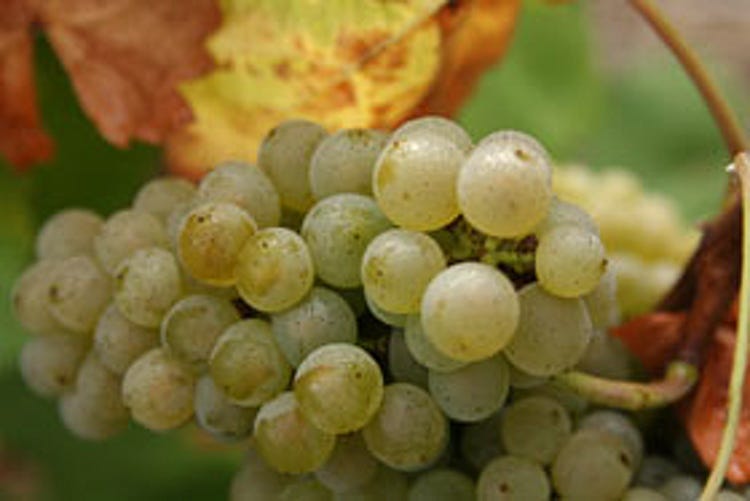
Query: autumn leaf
[
  {"x": 343, "y": 63},
  {"x": 125, "y": 58}
]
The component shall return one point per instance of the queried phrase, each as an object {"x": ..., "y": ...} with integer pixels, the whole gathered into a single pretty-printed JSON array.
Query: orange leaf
[{"x": 652, "y": 338}]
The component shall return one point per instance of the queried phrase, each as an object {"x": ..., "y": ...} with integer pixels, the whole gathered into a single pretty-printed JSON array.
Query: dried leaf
[{"x": 652, "y": 338}]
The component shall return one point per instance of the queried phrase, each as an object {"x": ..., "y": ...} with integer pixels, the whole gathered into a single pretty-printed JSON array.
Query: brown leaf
[{"x": 652, "y": 338}]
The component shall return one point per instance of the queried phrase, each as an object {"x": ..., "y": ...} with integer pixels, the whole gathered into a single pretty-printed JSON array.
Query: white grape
[{"x": 68, "y": 233}]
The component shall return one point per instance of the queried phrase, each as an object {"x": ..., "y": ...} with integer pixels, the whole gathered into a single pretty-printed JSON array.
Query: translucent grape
[
  {"x": 403, "y": 366},
  {"x": 414, "y": 180},
  {"x": 274, "y": 270},
  {"x": 68, "y": 233},
  {"x": 504, "y": 187},
  {"x": 255, "y": 481},
  {"x": 247, "y": 364},
  {"x": 350, "y": 466},
  {"x": 643, "y": 494},
  {"x": 285, "y": 156},
  {"x": 118, "y": 342},
  {"x": 562, "y": 213},
  {"x": 210, "y": 239},
  {"x": 49, "y": 364},
  {"x": 601, "y": 302},
  {"x": 535, "y": 428},
  {"x": 343, "y": 162},
  {"x": 305, "y": 489},
  {"x": 573, "y": 402},
  {"x": 408, "y": 432},
  {"x": 159, "y": 390},
  {"x": 30, "y": 299},
  {"x": 442, "y": 485},
  {"x": 471, "y": 393},
  {"x": 192, "y": 326},
  {"x": 423, "y": 351},
  {"x": 570, "y": 261},
  {"x": 592, "y": 465},
  {"x": 125, "y": 232},
  {"x": 338, "y": 230},
  {"x": 552, "y": 333},
  {"x": 397, "y": 267},
  {"x": 387, "y": 317},
  {"x": 510, "y": 478},
  {"x": 147, "y": 284},
  {"x": 681, "y": 488},
  {"x": 387, "y": 484},
  {"x": 440, "y": 126},
  {"x": 322, "y": 317},
  {"x": 523, "y": 380},
  {"x": 470, "y": 311},
  {"x": 159, "y": 196},
  {"x": 620, "y": 426},
  {"x": 481, "y": 442},
  {"x": 218, "y": 416},
  {"x": 78, "y": 292},
  {"x": 287, "y": 440},
  {"x": 244, "y": 185},
  {"x": 655, "y": 470},
  {"x": 339, "y": 387}
]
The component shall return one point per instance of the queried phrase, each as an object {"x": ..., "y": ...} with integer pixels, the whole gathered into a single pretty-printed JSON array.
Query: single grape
[
  {"x": 681, "y": 488},
  {"x": 339, "y": 387},
  {"x": 343, "y": 162},
  {"x": 504, "y": 187},
  {"x": 523, "y": 380},
  {"x": 404, "y": 368},
  {"x": 387, "y": 317},
  {"x": 285, "y": 155},
  {"x": 30, "y": 299},
  {"x": 440, "y": 126},
  {"x": 397, "y": 267},
  {"x": 386, "y": 484},
  {"x": 159, "y": 391},
  {"x": 442, "y": 485},
  {"x": 218, "y": 416},
  {"x": 535, "y": 428},
  {"x": 423, "y": 351},
  {"x": 510, "y": 478},
  {"x": 573, "y": 402},
  {"x": 68, "y": 233},
  {"x": 305, "y": 489},
  {"x": 562, "y": 213},
  {"x": 193, "y": 324},
  {"x": 125, "y": 232},
  {"x": 256, "y": 481},
  {"x": 159, "y": 196},
  {"x": 244, "y": 185},
  {"x": 602, "y": 301},
  {"x": 481, "y": 442},
  {"x": 147, "y": 284},
  {"x": 247, "y": 365},
  {"x": 470, "y": 311},
  {"x": 77, "y": 293},
  {"x": 322, "y": 317},
  {"x": 620, "y": 426},
  {"x": 350, "y": 466},
  {"x": 210, "y": 239},
  {"x": 274, "y": 270},
  {"x": 408, "y": 432},
  {"x": 644, "y": 494},
  {"x": 337, "y": 230},
  {"x": 655, "y": 470},
  {"x": 287, "y": 440},
  {"x": 552, "y": 333},
  {"x": 49, "y": 364},
  {"x": 118, "y": 342}
]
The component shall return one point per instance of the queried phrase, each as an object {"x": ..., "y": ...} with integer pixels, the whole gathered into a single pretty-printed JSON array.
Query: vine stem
[
  {"x": 739, "y": 361},
  {"x": 717, "y": 105}
]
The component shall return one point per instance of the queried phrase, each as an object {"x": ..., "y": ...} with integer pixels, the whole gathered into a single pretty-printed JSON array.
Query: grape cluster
[{"x": 359, "y": 305}]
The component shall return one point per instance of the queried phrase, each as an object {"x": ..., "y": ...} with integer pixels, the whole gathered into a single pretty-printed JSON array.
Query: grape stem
[{"x": 677, "y": 382}]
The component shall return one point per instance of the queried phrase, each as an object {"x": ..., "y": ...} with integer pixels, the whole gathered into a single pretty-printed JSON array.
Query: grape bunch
[{"x": 377, "y": 315}]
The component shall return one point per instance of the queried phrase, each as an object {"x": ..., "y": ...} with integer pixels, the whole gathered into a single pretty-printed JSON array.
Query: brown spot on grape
[{"x": 522, "y": 155}]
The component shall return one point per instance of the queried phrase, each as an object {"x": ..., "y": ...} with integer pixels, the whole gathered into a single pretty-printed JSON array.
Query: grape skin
[
  {"x": 118, "y": 342},
  {"x": 68, "y": 233},
  {"x": 49, "y": 364}
]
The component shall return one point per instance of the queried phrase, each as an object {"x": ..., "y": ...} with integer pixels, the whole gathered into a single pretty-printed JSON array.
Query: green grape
[
  {"x": 287, "y": 440},
  {"x": 93, "y": 410},
  {"x": 386, "y": 484},
  {"x": 592, "y": 465},
  {"x": 246, "y": 186},
  {"x": 159, "y": 196},
  {"x": 504, "y": 187},
  {"x": 192, "y": 326},
  {"x": 552, "y": 333},
  {"x": 125, "y": 232},
  {"x": 481, "y": 442},
  {"x": 118, "y": 342},
  {"x": 176, "y": 218},
  {"x": 350, "y": 466},
  {"x": 442, "y": 485},
  {"x": 387, "y": 317},
  {"x": 573, "y": 402},
  {"x": 535, "y": 428},
  {"x": 49, "y": 364},
  {"x": 159, "y": 390},
  {"x": 570, "y": 261},
  {"x": 320, "y": 318},
  {"x": 210, "y": 239},
  {"x": 437, "y": 125},
  {"x": 606, "y": 356},
  {"x": 274, "y": 270},
  {"x": 305, "y": 489},
  {"x": 68, "y": 233},
  {"x": 510, "y": 478},
  {"x": 147, "y": 284},
  {"x": 218, "y": 416},
  {"x": 602, "y": 302},
  {"x": 641, "y": 284},
  {"x": 644, "y": 494},
  {"x": 30, "y": 299},
  {"x": 619, "y": 425},
  {"x": 523, "y": 380},
  {"x": 285, "y": 155},
  {"x": 655, "y": 470},
  {"x": 343, "y": 162},
  {"x": 337, "y": 230},
  {"x": 470, "y": 311},
  {"x": 408, "y": 432},
  {"x": 562, "y": 213},
  {"x": 255, "y": 481},
  {"x": 247, "y": 365},
  {"x": 397, "y": 267},
  {"x": 423, "y": 351},
  {"x": 339, "y": 387},
  {"x": 77, "y": 293},
  {"x": 404, "y": 368},
  {"x": 414, "y": 180},
  {"x": 681, "y": 488},
  {"x": 473, "y": 392}
]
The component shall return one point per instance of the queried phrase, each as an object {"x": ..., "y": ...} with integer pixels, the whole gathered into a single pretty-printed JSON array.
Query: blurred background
[{"x": 589, "y": 80}]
